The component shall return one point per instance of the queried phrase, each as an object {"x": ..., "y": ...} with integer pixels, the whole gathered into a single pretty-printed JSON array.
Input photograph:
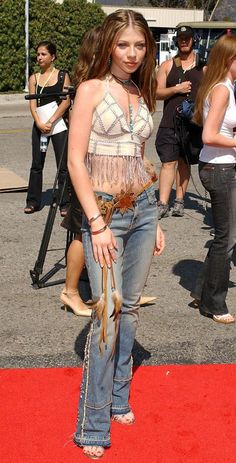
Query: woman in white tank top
[{"x": 216, "y": 109}]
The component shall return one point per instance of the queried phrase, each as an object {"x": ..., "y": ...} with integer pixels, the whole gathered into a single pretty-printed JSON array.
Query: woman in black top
[{"x": 48, "y": 80}]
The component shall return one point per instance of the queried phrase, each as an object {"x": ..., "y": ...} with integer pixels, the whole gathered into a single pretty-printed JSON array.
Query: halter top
[{"x": 114, "y": 151}]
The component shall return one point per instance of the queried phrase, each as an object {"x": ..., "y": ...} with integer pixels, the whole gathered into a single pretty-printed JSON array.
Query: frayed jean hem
[
  {"x": 83, "y": 441},
  {"x": 120, "y": 410}
]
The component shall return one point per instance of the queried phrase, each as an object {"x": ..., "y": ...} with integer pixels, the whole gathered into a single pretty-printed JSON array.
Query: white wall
[
  {"x": 163, "y": 17},
  {"x": 159, "y": 17}
]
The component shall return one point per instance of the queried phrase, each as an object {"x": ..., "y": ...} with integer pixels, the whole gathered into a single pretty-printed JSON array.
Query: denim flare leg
[
  {"x": 106, "y": 376},
  {"x": 220, "y": 181}
]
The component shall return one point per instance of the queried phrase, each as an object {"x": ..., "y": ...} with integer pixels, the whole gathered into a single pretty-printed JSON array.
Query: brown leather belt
[{"x": 122, "y": 202}]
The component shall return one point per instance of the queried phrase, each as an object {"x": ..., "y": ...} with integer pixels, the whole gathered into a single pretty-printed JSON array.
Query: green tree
[
  {"x": 12, "y": 45},
  {"x": 65, "y": 24}
]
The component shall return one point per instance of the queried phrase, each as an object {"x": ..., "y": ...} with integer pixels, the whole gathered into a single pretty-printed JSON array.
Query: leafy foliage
[{"x": 64, "y": 24}]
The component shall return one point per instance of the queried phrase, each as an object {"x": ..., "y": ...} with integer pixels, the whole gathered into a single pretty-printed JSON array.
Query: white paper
[{"x": 45, "y": 112}]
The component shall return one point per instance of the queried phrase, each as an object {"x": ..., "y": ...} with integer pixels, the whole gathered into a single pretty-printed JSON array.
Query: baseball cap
[{"x": 185, "y": 30}]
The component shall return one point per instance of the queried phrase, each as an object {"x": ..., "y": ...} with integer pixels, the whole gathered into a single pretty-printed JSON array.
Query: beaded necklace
[{"x": 124, "y": 82}]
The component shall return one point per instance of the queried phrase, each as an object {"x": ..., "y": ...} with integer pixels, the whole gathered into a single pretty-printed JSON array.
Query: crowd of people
[{"x": 112, "y": 207}]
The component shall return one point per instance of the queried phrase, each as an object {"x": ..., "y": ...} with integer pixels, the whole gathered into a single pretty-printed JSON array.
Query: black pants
[
  {"x": 212, "y": 283},
  {"x": 59, "y": 142}
]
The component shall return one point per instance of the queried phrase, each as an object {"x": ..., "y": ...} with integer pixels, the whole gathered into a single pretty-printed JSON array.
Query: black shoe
[{"x": 194, "y": 304}]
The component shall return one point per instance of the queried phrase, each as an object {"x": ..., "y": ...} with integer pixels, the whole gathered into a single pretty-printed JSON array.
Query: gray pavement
[{"x": 36, "y": 332}]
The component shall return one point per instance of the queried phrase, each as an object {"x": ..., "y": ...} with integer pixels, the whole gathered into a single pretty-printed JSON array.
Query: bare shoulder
[
  {"x": 165, "y": 67},
  {"x": 33, "y": 82},
  {"x": 219, "y": 94},
  {"x": 92, "y": 85},
  {"x": 90, "y": 93},
  {"x": 34, "y": 77},
  {"x": 92, "y": 89},
  {"x": 220, "y": 89}
]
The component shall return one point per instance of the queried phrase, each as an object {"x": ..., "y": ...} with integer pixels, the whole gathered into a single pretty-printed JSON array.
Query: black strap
[
  {"x": 61, "y": 78},
  {"x": 181, "y": 72}
]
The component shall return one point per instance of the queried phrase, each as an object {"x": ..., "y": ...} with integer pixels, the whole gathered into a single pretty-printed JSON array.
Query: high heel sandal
[
  {"x": 128, "y": 418},
  {"x": 30, "y": 209},
  {"x": 145, "y": 300},
  {"x": 93, "y": 451},
  {"x": 226, "y": 318},
  {"x": 77, "y": 306}
]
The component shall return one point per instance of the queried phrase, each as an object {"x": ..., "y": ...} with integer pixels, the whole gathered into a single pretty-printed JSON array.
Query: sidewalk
[{"x": 13, "y": 104}]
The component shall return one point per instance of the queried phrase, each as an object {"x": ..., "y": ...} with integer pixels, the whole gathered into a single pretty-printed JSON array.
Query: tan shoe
[
  {"x": 226, "y": 318},
  {"x": 144, "y": 300},
  {"x": 73, "y": 300}
]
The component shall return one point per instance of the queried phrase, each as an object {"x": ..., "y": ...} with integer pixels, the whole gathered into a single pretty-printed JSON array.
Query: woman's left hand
[
  {"x": 160, "y": 242},
  {"x": 48, "y": 126}
]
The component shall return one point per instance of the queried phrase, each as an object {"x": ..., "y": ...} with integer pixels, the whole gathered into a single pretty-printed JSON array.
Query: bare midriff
[{"x": 113, "y": 175}]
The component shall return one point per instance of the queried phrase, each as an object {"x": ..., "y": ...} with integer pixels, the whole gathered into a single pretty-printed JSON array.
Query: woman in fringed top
[{"x": 110, "y": 123}]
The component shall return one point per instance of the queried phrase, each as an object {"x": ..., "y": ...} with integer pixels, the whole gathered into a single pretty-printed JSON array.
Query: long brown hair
[
  {"x": 87, "y": 55},
  {"x": 219, "y": 62},
  {"x": 145, "y": 76}
]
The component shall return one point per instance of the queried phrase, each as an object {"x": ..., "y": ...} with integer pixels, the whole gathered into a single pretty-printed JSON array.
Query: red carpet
[{"x": 183, "y": 414}]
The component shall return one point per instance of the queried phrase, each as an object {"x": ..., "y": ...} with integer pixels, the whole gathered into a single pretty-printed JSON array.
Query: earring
[{"x": 109, "y": 61}]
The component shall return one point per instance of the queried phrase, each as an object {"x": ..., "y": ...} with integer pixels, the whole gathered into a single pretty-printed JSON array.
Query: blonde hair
[
  {"x": 218, "y": 65},
  {"x": 145, "y": 76},
  {"x": 87, "y": 55}
]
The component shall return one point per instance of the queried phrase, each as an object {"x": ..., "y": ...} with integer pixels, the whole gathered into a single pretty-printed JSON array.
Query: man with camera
[{"x": 177, "y": 79}]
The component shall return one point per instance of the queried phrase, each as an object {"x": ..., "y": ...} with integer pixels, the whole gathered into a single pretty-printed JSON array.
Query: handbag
[
  {"x": 186, "y": 109},
  {"x": 190, "y": 138}
]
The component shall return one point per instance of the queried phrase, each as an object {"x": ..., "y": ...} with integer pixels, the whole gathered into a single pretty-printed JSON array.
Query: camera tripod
[{"x": 39, "y": 281}]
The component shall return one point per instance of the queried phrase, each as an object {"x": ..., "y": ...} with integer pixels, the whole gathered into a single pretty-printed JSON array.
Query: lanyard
[{"x": 37, "y": 82}]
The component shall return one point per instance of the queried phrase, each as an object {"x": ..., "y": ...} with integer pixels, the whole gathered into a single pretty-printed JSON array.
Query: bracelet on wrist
[
  {"x": 96, "y": 232},
  {"x": 95, "y": 217}
]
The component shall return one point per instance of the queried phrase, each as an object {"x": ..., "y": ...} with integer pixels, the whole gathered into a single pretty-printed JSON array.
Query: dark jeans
[
  {"x": 59, "y": 142},
  {"x": 212, "y": 285}
]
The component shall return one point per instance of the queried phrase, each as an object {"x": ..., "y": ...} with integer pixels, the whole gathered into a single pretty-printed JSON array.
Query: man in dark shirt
[{"x": 173, "y": 87}]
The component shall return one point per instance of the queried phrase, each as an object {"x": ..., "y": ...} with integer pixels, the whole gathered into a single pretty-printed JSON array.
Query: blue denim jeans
[
  {"x": 212, "y": 284},
  {"x": 106, "y": 377}
]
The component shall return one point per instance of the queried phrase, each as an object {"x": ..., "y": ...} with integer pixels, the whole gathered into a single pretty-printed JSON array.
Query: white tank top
[{"x": 215, "y": 154}]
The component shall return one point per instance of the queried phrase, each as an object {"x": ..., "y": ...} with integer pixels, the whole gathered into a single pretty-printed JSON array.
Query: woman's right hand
[
  {"x": 104, "y": 248},
  {"x": 184, "y": 87},
  {"x": 44, "y": 127}
]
